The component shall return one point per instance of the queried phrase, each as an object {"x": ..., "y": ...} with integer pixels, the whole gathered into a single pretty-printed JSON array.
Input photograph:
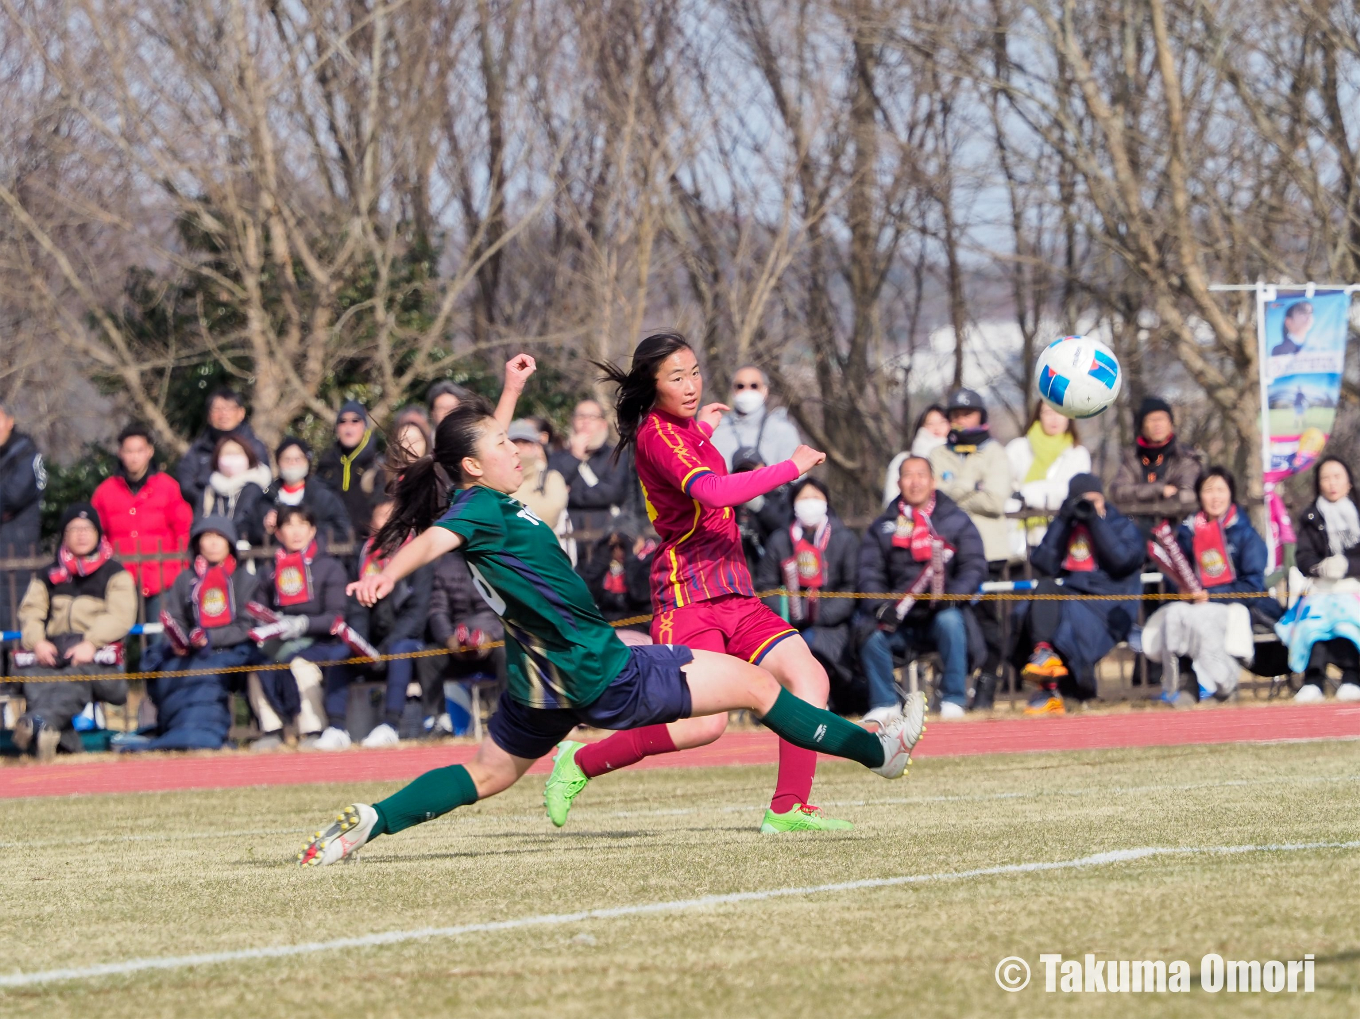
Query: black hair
[
  {"x": 226, "y": 393},
  {"x": 136, "y": 431},
  {"x": 287, "y": 513},
  {"x": 1295, "y": 307},
  {"x": 1317, "y": 475},
  {"x": 816, "y": 483},
  {"x": 637, "y": 385},
  {"x": 421, "y": 489},
  {"x": 934, "y": 408},
  {"x": 252, "y": 458},
  {"x": 1071, "y": 424},
  {"x": 445, "y": 387},
  {"x": 1219, "y": 472}
]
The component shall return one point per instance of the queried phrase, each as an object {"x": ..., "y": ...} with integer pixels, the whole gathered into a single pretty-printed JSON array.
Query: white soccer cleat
[
  {"x": 1310, "y": 693},
  {"x": 382, "y": 736},
  {"x": 342, "y": 840},
  {"x": 877, "y": 719},
  {"x": 332, "y": 739},
  {"x": 900, "y": 736},
  {"x": 1348, "y": 693},
  {"x": 951, "y": 712}
]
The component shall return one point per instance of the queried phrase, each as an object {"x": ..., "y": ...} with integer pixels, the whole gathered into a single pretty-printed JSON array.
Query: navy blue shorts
[{"x": 651, "y": 690}]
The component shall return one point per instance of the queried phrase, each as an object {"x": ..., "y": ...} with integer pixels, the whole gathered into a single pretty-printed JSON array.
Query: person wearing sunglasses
[
  {"x": 753, "y": 424},
  {"x": 352, "y": 465}
]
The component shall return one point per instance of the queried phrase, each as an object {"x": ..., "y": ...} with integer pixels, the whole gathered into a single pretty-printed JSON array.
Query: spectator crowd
[{"x": 242, "y": 557}]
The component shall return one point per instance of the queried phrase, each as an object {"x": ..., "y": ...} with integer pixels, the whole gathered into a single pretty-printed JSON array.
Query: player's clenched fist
[
  {"x": 371, "y": 590},
  {"x": 518, "y": 369},
  {"x": 807, "y": 458}
]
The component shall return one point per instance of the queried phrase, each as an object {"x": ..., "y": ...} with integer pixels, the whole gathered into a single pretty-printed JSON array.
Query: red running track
[{"x": 130, "y": 773}]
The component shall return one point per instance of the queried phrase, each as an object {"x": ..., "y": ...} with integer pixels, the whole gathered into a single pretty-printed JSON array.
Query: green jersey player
[{"x": 565, "y": 664}]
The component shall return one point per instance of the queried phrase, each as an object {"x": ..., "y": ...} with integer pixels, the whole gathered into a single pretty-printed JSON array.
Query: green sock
[
  {"x": 433, "y": 793},
  {"x": 816, "y": 729}
]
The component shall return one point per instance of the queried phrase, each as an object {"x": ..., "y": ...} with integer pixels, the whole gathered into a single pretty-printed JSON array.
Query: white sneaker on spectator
[
  {"x": 1348, "y": 693},
  {"x": 332, "y": 739},
  {"x": 444, "y": 724},
  {"x": 900, "y": 736},
  {"x": 878, "y": 719},
  {"x": 382, "y": 736},
  {"x": 1309, "y": 693},
  {"x": 951, "y": 712}
]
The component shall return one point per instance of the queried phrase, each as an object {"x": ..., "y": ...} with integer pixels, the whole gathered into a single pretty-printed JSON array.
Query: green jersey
[{"x": 559, "y": 651}]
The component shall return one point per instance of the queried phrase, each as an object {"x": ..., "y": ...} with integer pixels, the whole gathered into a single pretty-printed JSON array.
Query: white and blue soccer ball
[{"x": 1078, "y": 376}]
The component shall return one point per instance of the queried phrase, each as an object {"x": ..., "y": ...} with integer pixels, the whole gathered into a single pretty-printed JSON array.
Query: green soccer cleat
[
  {"x": 804, "y": 817},
  {"x": 565, "y": 783}
]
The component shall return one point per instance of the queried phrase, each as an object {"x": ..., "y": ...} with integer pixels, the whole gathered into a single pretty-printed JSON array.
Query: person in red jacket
[{"x": 144, "y": 514}]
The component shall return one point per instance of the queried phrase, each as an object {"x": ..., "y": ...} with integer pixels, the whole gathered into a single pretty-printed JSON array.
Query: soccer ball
[{"x": 1078, "y": 376}]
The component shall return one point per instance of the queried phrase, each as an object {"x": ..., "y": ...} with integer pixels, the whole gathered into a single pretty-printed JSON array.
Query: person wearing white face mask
[
  {"x": 816, "y": 555},
  {"x": 296, "y": 486},
  {"x": 752, "y": 423},
  {"x": 236, "y": 490}
]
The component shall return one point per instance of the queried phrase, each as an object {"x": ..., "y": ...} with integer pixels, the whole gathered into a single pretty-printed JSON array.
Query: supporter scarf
[
  {"x": 1213, "y": 565},
  {"x": 1153, "y": 458},
  {"x": 614, "y": 581},
  {"x": 1081, "y": 551},
  {"x": 292, "y": 495},
  {"x": 69, "y": 564},
  {"x": 809, "y": 555},
  {"x": 914, "y": 529},
  {"x": 371, "y": 561},
  {"x": 214, "y": 599},
  {"x": 293, "y": 576}
]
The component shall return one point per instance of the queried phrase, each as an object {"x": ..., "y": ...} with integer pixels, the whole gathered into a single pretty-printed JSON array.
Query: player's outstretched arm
[
  {"x": 517, "y": 372},
  {"x": 425, "y": 548},
  {"x": 715, "y": 492}
]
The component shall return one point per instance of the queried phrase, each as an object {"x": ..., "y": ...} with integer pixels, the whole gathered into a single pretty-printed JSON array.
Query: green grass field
[
  {"x": 1283, "y": 421},
  {"x": 108, "y": 879}
]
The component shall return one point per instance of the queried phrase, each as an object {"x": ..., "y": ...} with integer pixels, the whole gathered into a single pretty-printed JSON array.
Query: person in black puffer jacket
[
  {"x": 462, "y": 621},
  {"x": 297, "y": 486},
  {"x": 22, "y": 480},
  {"x": 817, "y": 555},
  {"x": 352, "y": 466},
  {"x": 205, "y": 614},
  {"x": 618, "y": 573}
]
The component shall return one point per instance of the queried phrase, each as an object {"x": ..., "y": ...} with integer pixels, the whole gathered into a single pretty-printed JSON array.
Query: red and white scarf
[
  {"x": 810, "y": 556},
  {"x": 615, "y": 582},
  {"x": 914, "y": 529},
  {"x": 293, "y": 576},
  {"x": 214, "y": 598},
  {"x": 1081, "y": 551},
  {"x": 69, "y": 564},
  {"x": 372, "y": 561},
  {"x": 1213, "y": 564}
]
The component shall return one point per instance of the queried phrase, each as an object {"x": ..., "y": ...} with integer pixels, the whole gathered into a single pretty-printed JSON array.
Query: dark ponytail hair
[
  {"x": 421, "y": 491},
  {"x": 637, "y": 386}
]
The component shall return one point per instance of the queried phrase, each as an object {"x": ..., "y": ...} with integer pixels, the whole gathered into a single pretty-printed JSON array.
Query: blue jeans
[
  {"x": 153, "y": 615},
  {"x": 400, "y": 672},
  {"x": 943, "y": 632}
]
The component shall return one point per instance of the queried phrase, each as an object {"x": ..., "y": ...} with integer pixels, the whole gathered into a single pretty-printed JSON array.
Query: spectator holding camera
[
  {"x": 759, "y": 518},
  {"x": 1093, "y": 549},
  {"x": 924, "y": 532},
  {"x": 816, "y": 555},
  {"x": 395, "y": 626},
  {"x": 74, "y": 618},
  {"x": 599, "y": 488}
]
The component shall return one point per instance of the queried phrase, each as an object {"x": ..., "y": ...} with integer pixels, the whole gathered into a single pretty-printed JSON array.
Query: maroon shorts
[{"x": 733, "y": 625}]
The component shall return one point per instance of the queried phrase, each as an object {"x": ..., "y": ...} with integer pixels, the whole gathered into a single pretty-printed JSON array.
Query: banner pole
[{"x": 1262, "y": 363}]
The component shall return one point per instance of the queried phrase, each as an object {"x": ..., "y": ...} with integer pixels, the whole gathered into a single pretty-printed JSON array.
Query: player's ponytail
[
  {"x": 637, "y": 386},
  {"x": 421, "y": 492}
]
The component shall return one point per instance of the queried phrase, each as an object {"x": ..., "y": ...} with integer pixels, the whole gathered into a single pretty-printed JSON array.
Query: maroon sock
[
  {"x": 624, "y": 748},
  {"x": 797, "y": 768}
]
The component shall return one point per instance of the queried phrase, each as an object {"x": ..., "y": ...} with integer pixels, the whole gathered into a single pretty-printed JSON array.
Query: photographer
[{"x": 1093, "y": 549}]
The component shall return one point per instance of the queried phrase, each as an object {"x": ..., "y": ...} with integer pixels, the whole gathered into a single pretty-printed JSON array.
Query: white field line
[
  {"x": 173, "y": 962},
  {"x": 742, "y": 808}
]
